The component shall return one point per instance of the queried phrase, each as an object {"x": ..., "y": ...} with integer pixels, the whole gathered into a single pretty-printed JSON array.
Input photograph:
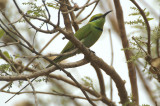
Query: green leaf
[
  {"x": 16, "y": 56},
  {"x": 1, "y": 33},
  {"x": 6, "y": 54},
  {"x": 29, "y": 11},
  {"x": 145, "y": 105},
  {"x": 150, "y": 19},
  {"x": 52, "y": 5},
  {"x": 4, "y": 68}
]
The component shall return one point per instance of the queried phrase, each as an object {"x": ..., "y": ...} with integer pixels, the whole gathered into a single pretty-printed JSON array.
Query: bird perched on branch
[{"x": 88, "y": 35}]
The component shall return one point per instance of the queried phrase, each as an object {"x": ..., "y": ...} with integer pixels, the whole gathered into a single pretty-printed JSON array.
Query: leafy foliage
[
  {"x": 139, "y": 20},
  {"x": 141, "y": 34},
  {"x": 145, "y": 105},
  {"x": 4, "y": 69},
  {"x": 1, "y": 33},
  {"x": 88, "y": 82},
  {"x": 7, "y": 54},
  {"x": 36, "y": 11},
  {"x": 39, "y": 11}
]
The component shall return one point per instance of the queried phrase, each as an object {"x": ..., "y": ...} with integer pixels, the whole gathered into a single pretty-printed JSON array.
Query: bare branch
[
  {"x": 111, "y": 86},
  {"x": 158, "y": 40},
  {"x": 6, "y": 86},
  {"x": 90, "y": 12},
  {"x": 8, "y": 44},
  {"x": 146, "y": 86},
  {"x": 100, "y": 78},
  {"x": 128, "y": 53},
  {"x": 34, "y": 92},
  {"x": 147, "y": 24},
  {"x": 51, "y": 93}
]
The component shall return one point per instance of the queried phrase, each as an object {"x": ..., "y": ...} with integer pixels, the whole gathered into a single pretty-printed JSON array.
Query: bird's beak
[{"x": 107, "y": 13}]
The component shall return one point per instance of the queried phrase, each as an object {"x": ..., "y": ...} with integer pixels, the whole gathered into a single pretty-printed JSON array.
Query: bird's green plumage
[{"x": 88, "y": 35}]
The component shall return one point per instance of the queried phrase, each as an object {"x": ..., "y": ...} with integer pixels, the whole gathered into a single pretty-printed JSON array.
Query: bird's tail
[
  {"x": 56, "y": 60},
  {"x": 61, "y": 58}
]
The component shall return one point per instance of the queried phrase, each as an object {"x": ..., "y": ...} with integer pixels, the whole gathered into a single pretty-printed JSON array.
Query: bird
[{"x": 88, "y": 35}]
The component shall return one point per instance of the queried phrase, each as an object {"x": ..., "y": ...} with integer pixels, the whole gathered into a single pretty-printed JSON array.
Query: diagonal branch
[
  {"x": 100, "y": 78},
  {"x": 146, "y": 85},
  {"x": 102, "y": 85},
  {"x": 34, "y": 92},
  {"x": 128, "y": 53},
  {"x": 147, "y": 24}
]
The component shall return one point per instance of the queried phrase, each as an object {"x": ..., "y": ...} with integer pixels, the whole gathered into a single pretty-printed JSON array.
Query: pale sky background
[{"x": 102, "y": 49}]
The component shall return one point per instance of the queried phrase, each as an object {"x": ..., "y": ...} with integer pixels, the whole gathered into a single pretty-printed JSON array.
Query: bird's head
[{"x": 98, "y": 16}]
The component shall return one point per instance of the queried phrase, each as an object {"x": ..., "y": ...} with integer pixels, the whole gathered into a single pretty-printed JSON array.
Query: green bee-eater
[{"x": 88, "y": 35}]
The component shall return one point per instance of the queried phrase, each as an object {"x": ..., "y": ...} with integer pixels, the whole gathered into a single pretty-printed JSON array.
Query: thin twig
[
  {"x": 77, "y": 8},
  {"x": 8, "y": 44},
  {"x": 34, "y": 92},
  {"x": 100, "y": 78},
  {"x": 157, "y": 47},
  {"x": 9, "y": 83},
  {"x": 158, "y": 39},
  {"x": 150, "y": 7},
  {"x": 17, "y": 92},
  {"x": 90, "y": 12},
  {"x": 112, "y": 55},
  {"x": 16, "y": 21},
  {"x": 140, "y": 46},
  {"x": 31, "y": 24},
  {"x": 55, "y": 93},
  {"x": 49, "y": 16},
  {"x": 82, "y": 9},
  {"x": 146, "y": 86},
  {"x": 148, "y": 57},
  {"x": 88, "y": 4},
  {"x": 147, "y": 24},
  {"x": 58, "y": 22},
  {"x": 49, "y": 55}
]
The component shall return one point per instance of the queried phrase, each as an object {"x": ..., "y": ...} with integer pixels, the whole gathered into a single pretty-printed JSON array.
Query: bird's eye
[{"x": 95, "y": 18}]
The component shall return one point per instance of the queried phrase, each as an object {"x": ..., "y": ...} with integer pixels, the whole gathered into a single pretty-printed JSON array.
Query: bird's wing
[
  {"x": 80, "y": 34},
  {"x": 83, "y": 32},
  {"x": 69, "y": 46}
]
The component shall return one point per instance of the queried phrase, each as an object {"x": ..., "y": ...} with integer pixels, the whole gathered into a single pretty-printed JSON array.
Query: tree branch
[
  {"x": 128, "y": 53},
  {"x": 147, "y": 24}
]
